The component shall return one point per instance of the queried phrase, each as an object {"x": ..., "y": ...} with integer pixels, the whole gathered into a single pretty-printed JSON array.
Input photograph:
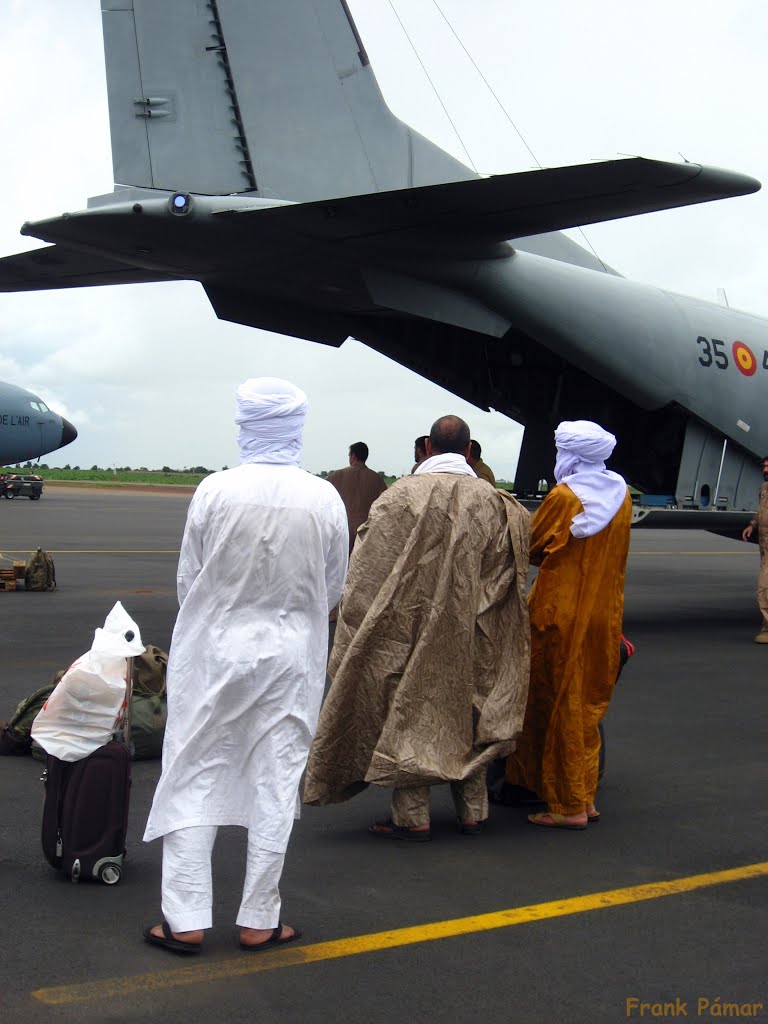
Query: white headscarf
[
  {"x": 270, "y": 413},
  {"x": 450, "y": 462},
  {"x": 582, "y": 448}
]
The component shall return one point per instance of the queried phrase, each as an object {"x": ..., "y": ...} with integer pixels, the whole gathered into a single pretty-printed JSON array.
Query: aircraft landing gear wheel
[{"x": 110, "y": 874}]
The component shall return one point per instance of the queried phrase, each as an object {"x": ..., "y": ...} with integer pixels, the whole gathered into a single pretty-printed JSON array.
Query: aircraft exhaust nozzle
[{"x": 68, "y": 432}]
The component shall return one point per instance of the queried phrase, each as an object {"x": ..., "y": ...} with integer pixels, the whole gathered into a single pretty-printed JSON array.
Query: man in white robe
[{"x": 262, "y": 563}]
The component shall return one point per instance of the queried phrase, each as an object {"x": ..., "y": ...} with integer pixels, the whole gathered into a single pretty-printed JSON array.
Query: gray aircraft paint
[
  {"x": 310, "y": 124},
  {"x": 28, "y": 428},
  {"x": 332, "y": 233}
]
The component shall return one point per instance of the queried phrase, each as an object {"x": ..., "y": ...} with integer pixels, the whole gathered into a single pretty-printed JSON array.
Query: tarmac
[{"x": 657, "y": 912}]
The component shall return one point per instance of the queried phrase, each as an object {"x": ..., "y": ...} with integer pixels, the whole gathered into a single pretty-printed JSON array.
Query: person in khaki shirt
[
  {"x": 482, "y": 471},
  {"x": 358, "y": 486},
  {"x": 760, "y": 523}
]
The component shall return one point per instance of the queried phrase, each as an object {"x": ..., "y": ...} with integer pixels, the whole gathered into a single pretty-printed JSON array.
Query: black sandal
[
  {"x": 471, "y": 830},
  {"x": 167, "y": 940},
  {"x": 389, "y": 830},
  {"x": 274, "y": 940}
]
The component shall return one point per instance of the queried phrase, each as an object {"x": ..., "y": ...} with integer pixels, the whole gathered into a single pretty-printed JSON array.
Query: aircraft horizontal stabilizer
[
  {"x": 57, "y": 267},
  {"x": 508, "y": 206}
]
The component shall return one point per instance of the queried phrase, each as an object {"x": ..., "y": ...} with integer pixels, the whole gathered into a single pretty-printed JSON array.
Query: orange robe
[{"x": 576, "y": 607}]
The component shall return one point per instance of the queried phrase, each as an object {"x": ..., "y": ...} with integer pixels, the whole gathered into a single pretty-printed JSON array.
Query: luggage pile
[
  {"x": 12, "y": 576},
  {"x": 85, "y": 814},
  {"x": 40, "y": 574},
  {"x": 149, "y": 711},
  {"x": 82, "y": 724},
  {"x": 85, "y": 729}
]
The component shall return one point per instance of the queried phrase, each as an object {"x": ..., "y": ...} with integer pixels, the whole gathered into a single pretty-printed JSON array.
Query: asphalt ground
[{"x": 419, "y": 932}]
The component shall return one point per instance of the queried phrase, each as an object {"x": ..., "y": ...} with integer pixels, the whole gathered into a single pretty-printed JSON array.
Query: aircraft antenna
[
  {"x": 488, "y": 86},
  {"x": 503, "y": 109},
  {"x": 434, "y": 87}
]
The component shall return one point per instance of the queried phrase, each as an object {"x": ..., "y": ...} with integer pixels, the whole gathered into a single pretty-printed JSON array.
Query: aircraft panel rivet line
[{"x": 220, "y": 48}]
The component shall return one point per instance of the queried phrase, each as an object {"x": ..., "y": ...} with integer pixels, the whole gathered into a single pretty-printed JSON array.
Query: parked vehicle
[{"x": 28, "y": 485}]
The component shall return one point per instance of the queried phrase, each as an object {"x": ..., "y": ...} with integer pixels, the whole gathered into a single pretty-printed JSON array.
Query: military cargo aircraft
[
  {"x": 253, "y": 152},
  {"x": 28, "y": 428}
]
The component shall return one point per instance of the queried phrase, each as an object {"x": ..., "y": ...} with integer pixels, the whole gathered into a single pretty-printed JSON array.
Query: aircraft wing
[
  {"x": 509, "y": 206},
  {"x": 58, "y": 267},
  {"x": 459, "y": 220}
]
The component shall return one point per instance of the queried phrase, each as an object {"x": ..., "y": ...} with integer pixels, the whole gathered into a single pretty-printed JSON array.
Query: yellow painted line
[
  {"x": 175, "y": 551},
  {"x": 249, "y": 963},
  {"x": 666, "y": 554}
]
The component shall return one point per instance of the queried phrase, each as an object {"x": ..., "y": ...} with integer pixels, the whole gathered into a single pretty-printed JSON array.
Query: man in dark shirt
[{"x": 358, "y": 486}]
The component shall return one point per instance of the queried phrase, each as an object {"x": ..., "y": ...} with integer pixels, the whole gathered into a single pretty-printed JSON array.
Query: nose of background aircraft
[{"x": 68, "y": 432}]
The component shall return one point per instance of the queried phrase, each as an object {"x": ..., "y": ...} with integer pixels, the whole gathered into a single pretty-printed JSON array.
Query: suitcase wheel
[{"x": 110, "y": 873}]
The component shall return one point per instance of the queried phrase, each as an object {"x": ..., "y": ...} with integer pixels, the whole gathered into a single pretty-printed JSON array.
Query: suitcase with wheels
[{"x": 85, "y": 814}]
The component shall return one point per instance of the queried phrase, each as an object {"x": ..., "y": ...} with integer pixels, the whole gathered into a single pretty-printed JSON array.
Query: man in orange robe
[{"x": 580, "y": 541}]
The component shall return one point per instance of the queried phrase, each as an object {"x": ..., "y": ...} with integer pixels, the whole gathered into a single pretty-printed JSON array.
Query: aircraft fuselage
[
  {"x": 535, "y": 337},
  {"x": 28, "y": 428}
]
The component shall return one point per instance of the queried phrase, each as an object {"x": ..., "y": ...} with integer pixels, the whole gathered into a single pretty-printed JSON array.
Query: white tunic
[{"x": 262, "y": 563}]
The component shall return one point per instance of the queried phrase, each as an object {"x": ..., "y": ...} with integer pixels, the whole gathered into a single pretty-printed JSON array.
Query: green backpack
[
  {"x": 149, "y": 711},
  {"x": 15, "y": 736},
  {"x": 40, "y": 573}
]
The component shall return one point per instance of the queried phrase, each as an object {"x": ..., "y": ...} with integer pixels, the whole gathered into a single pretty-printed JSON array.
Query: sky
[{"x": 147, "y": 373}]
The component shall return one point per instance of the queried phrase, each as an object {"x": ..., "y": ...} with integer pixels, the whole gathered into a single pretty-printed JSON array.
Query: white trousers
[{"x": 187, "y": 887}]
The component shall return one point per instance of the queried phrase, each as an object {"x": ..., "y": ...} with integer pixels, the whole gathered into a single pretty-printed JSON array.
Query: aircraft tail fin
[{"x": 275, "y": 99}]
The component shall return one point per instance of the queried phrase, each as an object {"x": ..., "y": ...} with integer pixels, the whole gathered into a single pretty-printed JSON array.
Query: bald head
[{"x": 449, "y": 434}]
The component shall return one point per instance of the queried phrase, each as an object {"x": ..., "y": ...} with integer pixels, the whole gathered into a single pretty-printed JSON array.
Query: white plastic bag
[{"x": 80, "y": 714}]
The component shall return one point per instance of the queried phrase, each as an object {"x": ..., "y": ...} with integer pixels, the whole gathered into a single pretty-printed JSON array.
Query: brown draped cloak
[
  {"x": 576, "y": 606},
  {"x": 431, "y": 658}
]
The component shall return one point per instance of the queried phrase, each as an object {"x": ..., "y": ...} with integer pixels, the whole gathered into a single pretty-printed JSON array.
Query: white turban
[
  {"x": 582, "y": 448},
  {"x": 270, "y": 413}
]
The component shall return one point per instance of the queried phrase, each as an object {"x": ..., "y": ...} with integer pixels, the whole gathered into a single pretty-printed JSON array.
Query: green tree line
[{"x": 188, "y": 476}]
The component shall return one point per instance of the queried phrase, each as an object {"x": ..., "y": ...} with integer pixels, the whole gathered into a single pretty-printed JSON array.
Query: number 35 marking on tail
[{"x": 713, "y": 353}]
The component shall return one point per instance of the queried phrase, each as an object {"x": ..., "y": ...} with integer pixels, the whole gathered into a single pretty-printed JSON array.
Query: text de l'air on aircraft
[
  {"x": 254, "y": 153},
  {"x": 28, "y": 428}
]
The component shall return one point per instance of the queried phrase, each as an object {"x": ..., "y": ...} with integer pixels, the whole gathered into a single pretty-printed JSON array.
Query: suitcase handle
[{"x": 123, "y": 723}]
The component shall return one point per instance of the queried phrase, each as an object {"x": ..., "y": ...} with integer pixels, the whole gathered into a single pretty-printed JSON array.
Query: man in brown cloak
[
  {"x": 431, "y": 659},
  {"x": 580, "y": 540}
]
